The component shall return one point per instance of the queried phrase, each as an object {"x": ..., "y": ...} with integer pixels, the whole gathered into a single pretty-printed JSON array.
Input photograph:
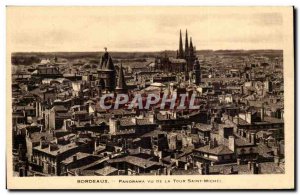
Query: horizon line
[{"x": 144, "y": 51}]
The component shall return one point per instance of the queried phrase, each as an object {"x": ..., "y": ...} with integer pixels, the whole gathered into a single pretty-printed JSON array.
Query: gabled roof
[{"x": 106, "y": 171}]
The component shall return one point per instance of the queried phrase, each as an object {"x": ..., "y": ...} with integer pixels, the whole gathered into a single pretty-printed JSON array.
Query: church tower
[
  {"x": 107, "y": 72},
  {"x": 192, "y": 54},
  {"x": 121, "y": 84}
]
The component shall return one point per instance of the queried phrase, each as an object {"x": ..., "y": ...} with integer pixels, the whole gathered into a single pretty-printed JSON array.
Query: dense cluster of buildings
[{"x": 59, "y": 128}]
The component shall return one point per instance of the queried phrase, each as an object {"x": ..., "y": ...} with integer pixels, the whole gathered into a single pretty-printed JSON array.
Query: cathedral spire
[
  {"x": 192, "y": 54},
  {"x": 186, "y": 44},
  {"x": 180, "y": 54},
  {"x": 191, "y": 44}
]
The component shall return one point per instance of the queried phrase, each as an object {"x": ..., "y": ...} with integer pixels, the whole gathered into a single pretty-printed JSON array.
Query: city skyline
[{"x": 151, "y": 93}]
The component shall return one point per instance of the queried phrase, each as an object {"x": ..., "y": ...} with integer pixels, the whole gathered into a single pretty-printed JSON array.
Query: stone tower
[
  {"x": 107, "y": 72},
  {"x": 197, "y": 72},
  {"x": 121, "y": 84}
]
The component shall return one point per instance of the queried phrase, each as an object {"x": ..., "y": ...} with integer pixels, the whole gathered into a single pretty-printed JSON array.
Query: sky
[{"x": 46, "y": 29}]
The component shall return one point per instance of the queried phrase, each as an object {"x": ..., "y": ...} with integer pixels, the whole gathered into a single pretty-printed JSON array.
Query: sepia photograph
[{"x": 150, "y": 97}]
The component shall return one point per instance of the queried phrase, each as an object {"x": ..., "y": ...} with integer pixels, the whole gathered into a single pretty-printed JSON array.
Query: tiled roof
[
  {"x": 272, "y": 119},
  {"x": 36, "y": 136},
  {"x": 270, "y": 168},
  {"x": 264, "y": 150},
  {"x": 79, "y": 155},
  {"x": 242, "y": 142},
  {"x": 140, "y": 162},
  {"x": 154, "y": 133},
  {"x": 143, "y": 122},
  {"x": 203, "y": 127},
  {"x": 105, "y": 171},
  {"x": 218, "y": 150},
  {"x": 126, "y": 122}
]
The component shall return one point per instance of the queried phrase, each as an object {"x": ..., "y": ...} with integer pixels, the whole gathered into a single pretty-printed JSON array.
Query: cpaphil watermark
[{"x": 146, "y": 102}]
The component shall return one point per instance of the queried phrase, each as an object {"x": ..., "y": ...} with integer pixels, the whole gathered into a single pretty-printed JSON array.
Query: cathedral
[
  {"x": 185, "y": 61},
  {"x": 188, "y": 54}
]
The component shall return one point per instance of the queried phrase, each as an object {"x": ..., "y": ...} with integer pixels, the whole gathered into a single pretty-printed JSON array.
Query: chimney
[
  {"x": 275, "y": 151},
  {"x": 215, "y": 142},
  {"x": 231, "y": 143},
  {"x": 186, "y": 166},
  {"x": 165, "y": 171},
  {"x": 22, "y": 172},
  {"x": 151, "y": 118},
  {"x": 249, "y": 165},
  {"x": 252, "y": 138},
  {"x": 262, "y": 113},
  {"x": 175, "y": 155},
  {"x": 255, "y": 168},
  {"x": 91, "y": 121},
  {"x": 201, "y": 168},
  {"x": 160, "y": 160},
  {"x": 37, "y": 113},
  {"x": 74, "y": 158},
  {"x": 242, "y": 90},
  {"x": 206, "y": 140},
  {"x": 206, "y": 169},
  {"x": 193, "y": 125},
  {"x": 248, "y": 136},
  {"x": 277, "y": 160},
  {"x": 133, "y": 119},
  {"x": 96, "y": 144},
  {"x": 211, "y": 144},
  {"x": 155, "y": 115},
  {"x": 167, "y": 116},
  {"x": 43, "y": 144},
  {"x": 231, "y": 170}
]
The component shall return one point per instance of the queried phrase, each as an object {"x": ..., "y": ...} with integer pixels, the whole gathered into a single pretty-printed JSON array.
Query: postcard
[{"x": 146, "y": 98}]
